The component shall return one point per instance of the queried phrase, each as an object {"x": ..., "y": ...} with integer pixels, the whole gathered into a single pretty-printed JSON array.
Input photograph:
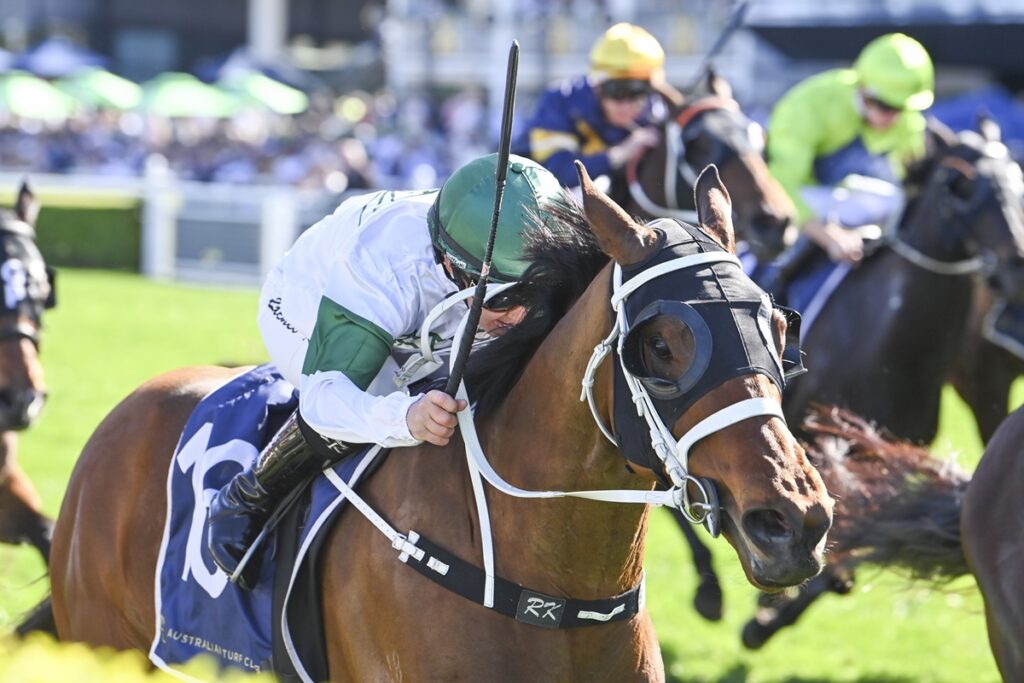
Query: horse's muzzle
[
  {"x": 790, "y": 545},
  {"x": 19, "y": 409}
]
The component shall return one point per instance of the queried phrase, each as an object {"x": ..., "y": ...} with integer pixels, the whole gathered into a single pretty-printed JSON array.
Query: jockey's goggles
[
  {"x": 501, "y": 302},
  {"x": 881, "y": 105},
  {"x": 625, "y": 89}
]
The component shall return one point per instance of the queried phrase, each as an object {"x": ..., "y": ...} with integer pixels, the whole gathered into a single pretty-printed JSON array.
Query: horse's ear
[
  {"x": 717, "y": 85},
  {"x": 26, "y": 207},
  {"x": 673, "y": 98},
  {"x": 939, "y": 138},
  {"x": 622, "y": 238},
  {"x": 988, "y": 128},
  {"x": 714, "y": 207}
]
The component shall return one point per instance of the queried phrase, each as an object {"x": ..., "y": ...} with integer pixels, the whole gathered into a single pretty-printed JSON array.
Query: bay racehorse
[
  {"x": 704, "y": 127},
  {"x": 27, "y": 290},
  {"x": 707, "y": 126},
  {"x": 993, "y": 533},
  {"x": 385, "y": 622}
]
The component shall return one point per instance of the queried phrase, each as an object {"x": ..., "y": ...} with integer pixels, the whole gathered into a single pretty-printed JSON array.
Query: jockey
[
  {"x": 335, "y": 306},
  {"x": 602, "y": 119},
  {"x": 834, "y": 136}
]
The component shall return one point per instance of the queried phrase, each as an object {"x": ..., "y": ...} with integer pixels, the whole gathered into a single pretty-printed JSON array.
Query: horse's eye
[
  {"x": 962, "y": 187},
  {"x": 659, "y": 348}
]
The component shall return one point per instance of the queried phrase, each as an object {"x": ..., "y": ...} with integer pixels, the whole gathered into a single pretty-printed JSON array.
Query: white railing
[{"x": 202, "y": 232}]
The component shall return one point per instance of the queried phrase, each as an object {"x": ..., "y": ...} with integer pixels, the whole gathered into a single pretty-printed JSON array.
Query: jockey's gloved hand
[
  {"x": 432, "y": 417},
  {"x": 843, "y": 245},
  {"x": 634, "y": 145}
]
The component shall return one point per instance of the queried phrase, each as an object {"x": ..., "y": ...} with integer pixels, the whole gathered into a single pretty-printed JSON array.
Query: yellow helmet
[
  {"x": 897, "y": 70},
  {"x": 627, "y": 51}
]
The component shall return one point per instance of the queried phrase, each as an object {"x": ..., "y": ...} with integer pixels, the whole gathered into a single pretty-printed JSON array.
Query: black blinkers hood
[
  {"x": 26, "y": 280},
  {"x": 736, "y": 311}
]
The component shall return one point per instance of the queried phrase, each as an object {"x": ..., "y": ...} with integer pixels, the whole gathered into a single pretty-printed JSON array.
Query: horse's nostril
[
  {"x": 18, "y": 409},
  {"x": 767, "y": 527},
  {"x": 816, "y": 525}
]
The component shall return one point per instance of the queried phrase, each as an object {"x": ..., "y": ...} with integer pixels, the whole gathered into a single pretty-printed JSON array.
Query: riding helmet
[
  {"x": 897, "y": 70},
  {"x": 460, "y": 218},
  {"x": 626, "y": 51}
]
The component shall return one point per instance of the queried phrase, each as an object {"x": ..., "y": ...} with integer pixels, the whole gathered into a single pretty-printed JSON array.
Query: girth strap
[{"x": 515, "y": 601}]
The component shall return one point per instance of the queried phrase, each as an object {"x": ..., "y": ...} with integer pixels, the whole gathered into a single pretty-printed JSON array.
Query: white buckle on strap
[
  {"x": 407, "y": 547},
  {"x": 600, "y": 616}
]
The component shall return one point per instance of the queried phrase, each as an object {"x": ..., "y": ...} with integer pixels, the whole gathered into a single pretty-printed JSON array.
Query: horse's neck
[
  {"x": 651, "y": 178},
  {"x": 913, "y": 302},
  {"x": 545, "y": 438},
  {"x": 926, "y": 231}
]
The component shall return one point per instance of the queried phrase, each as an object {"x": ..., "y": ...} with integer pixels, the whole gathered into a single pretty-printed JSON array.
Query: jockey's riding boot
[
  {"x": 240, "y": 510},
  {"x": 781, "y": 271}
]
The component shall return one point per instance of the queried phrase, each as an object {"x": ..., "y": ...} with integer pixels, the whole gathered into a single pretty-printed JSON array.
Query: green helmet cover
[
  {"x": 897, "y": 70},
  {"x": 460, "y": 219}
]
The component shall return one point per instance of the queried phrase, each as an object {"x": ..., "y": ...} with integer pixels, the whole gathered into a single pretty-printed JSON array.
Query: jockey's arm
[
  {"x": 554, "y": 140},
  {"x": 794, "y": 130},
  {"x": 346, "y": 352}
]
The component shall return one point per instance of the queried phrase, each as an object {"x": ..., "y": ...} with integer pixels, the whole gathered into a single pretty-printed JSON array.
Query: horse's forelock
[{"x": 565, "y": 257}]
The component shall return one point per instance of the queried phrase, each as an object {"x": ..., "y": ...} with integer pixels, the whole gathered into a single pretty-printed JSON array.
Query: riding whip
[
  {"x": 735, "y": 21},
  {"x": 504, "y": 145}
]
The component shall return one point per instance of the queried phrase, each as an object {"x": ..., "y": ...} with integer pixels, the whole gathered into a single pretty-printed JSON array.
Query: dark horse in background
[
  {"x": 993, "y": 537},
  {"x": 385, "y": 622},
  {"x": 889, "y": 337},
  {"x": 886, "y": 341},
  {"x": 704, "y": 127},
  {"x": 985, "y": 371},
  {"x": 27, "y": 290},
  {"x": 707, "y": 126}
]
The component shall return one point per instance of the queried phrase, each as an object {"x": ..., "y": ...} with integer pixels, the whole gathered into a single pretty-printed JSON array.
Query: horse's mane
[
  {"x": 896, "y": 505},
  {"x": 565, "y": 258}
]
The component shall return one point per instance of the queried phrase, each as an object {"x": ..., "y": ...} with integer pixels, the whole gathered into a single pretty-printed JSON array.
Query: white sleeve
[{"x": 336, "y": 408}]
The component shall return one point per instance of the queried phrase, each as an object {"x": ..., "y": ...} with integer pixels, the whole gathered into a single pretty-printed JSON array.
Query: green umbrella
[
  {"x": 267, "y": 92},
  {"x": 23, "y": 94},
  {"x": 181, "y": 94},
  {"x": 99, "y": 88}
]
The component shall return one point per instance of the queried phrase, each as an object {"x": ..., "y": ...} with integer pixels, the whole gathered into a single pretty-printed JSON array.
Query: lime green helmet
[
  {"x": 897, "y": 70},
  {"x": 460, "y": 219}
]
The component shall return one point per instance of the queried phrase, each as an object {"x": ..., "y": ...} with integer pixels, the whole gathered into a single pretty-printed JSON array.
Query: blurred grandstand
[{"x": 179, "y": 104}]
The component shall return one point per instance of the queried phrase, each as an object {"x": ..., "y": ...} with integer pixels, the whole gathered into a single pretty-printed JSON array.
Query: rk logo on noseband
[{"x": 539, "y": 609}]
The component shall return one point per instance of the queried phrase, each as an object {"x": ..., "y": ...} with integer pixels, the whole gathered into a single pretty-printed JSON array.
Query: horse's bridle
[
  {"x": 671, "y": 453},
  {"x": 676, "y": 163},
  {"x": 949, "y": 207},
  {"x": 484, "y": 586},
  {"x": 26, "y": 283}
]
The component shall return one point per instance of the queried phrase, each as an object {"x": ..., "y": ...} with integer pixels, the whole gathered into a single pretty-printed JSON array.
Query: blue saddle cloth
[{"x": 200, "y": 612}]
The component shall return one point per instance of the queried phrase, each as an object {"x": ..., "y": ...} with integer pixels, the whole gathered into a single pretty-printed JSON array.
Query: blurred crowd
[{"x": 359, "y": 140}]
